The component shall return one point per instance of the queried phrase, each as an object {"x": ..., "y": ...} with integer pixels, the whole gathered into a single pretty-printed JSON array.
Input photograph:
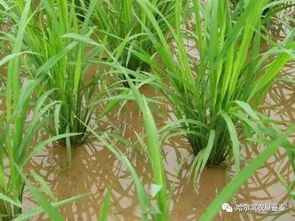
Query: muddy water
[
  {"x": 95, "y": 169},
  {"x": 264, "y": 186}
]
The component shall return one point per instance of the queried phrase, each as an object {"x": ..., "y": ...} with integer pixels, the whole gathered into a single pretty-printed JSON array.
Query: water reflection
[
  {"x": 264, "y": 186},
  {"x": 95, "y": 169}
]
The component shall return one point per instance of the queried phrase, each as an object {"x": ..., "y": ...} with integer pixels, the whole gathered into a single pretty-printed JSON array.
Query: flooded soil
[{"x": 95, "y": 169}]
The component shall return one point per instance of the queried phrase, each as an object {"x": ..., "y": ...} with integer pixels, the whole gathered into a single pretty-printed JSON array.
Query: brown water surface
[{"x": 95, "y": 169}]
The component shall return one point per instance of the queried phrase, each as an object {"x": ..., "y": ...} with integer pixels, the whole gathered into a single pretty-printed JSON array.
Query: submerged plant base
[
  {"x": 7, "y": 216},
  {"x": 75, "y": 141},
  {"x": 10, "y": 211},
  {"x": 136, "y": 66},
  {"x": 218, "y": 154}
]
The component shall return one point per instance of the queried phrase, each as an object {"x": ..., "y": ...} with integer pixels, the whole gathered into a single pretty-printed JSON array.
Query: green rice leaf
[
  {"x": 45, "y": 143},
  {"x": 104, "y": 212},
  {"x": 11, "y": 201},
  {"x": 247, "y": 108},
  {"x": 9, "y": 57},
  {"x": 25, "y": 216},
  {"x": 208, "y": 149},
  {"x": 234, "y": 138}
]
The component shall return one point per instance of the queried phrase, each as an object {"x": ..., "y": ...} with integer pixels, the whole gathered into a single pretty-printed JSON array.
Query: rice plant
[
  {"x": 158, "y": 188},
  {"x": 160, "y": 211},
  {"x": 119, "y": 24},
  {"x": 215, "y": 93},
  {"x": 229, "y": 73},
  {"x": 18, "y": 131},
  {"x": 62, "y": 59},
  {"x": 14, "y": 146}
]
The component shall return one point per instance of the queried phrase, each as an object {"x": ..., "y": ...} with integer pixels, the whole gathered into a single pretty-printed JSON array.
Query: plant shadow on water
[{"x": 95, "y": 169}]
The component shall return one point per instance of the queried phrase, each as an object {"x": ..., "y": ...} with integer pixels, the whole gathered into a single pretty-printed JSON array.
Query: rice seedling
[
  {"x": 13, "y": 146},
  {"x": 15, "y": 151},
  {"x": 119, "y": 24},
  {"x": 230, "y": 73},
  {"x": 216, "y": 94},
  {"x": 160, "y": 211},
  {"x": 62, "y": 59},
  {"x": 158, "y": 187},
  {"x": 18, "y": 133}
]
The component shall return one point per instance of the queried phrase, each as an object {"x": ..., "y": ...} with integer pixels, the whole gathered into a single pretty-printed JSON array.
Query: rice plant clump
[
  {"x": 229, "y": 73},
  {"x": 50, "y": 36},
  {"x": 17, "y": 133},
  {"x": 215, "y": 93},
  {"x": 124, "y": 25}
]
